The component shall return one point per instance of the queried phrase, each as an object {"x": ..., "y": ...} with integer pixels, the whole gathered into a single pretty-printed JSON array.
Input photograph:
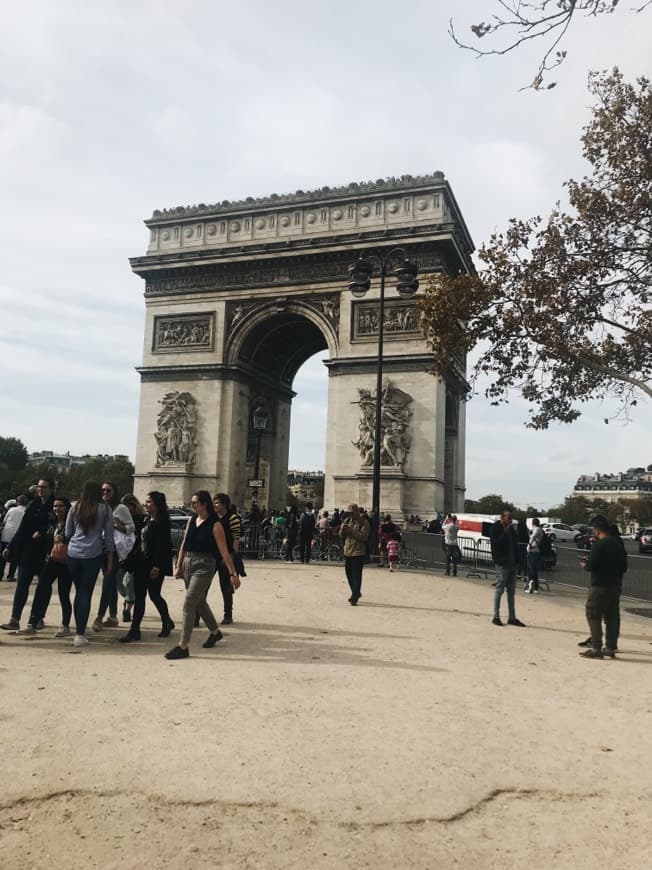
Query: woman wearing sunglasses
[{"x": 203, "y": 541}]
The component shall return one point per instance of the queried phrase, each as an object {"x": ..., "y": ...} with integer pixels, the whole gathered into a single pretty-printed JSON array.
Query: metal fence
[
  {"x": 563, "y": 568},
  {"x": 425, "y": 551}
]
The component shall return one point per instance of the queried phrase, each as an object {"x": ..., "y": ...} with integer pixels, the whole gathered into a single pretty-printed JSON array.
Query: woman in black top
[
  {"x": 151, "y": 563},
  {"x": 204, "y": 538}
]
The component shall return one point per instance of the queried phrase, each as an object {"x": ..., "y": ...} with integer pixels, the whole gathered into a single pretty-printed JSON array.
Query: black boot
[
  {"x": 168, "y": 625},
  {"x": 132, "y": 635}
]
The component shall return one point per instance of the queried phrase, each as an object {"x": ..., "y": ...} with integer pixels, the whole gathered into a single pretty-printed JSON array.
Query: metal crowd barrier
[{"x": 426, "y": 551}]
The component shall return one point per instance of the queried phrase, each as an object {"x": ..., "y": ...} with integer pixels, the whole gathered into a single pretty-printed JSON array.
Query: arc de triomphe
[{"x": 240, "y": 294}]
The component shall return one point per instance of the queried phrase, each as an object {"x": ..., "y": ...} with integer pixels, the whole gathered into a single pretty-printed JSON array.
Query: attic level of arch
[{"x": 166, "y": 278}]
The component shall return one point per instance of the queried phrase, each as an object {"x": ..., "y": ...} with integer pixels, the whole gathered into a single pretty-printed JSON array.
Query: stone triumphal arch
[{"x": 240, "y": 294}]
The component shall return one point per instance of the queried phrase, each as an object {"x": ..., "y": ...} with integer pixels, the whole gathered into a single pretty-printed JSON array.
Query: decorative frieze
[
  {"x": 269, "y": 273},
  {"x": 401, "y": 320},
  {"x": 184, "y": 332}
]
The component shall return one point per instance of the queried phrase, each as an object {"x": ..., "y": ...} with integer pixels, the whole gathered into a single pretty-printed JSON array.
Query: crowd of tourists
[{"x": 130, "y": 545}]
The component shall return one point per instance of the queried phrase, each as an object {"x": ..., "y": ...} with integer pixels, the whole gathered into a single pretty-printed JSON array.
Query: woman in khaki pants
[{"x": 203, "y": 540}]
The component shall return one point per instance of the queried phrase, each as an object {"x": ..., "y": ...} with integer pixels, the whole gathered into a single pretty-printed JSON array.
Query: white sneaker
[
  {"x": 80, "y": 640},
  {"x": 64, "y": 631}
]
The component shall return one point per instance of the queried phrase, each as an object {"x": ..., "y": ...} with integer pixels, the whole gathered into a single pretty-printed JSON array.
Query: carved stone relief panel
[
  {"x": 184, "y": 332},
  {"x": 176, "y": 434},
  {"x": 400, "y": 320},
  {"x": 395, "y": 424}
]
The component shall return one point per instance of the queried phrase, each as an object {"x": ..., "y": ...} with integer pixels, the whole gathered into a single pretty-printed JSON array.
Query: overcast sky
[{"x": 110, "y": 110}]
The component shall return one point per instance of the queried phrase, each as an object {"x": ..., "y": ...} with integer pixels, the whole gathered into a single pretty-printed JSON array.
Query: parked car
[
  {"x": 645, "y": 542},
  {"x": 561, "y": 532},
  {"x": 178, "y": 520},
  {"x": 638, "y": 533}
]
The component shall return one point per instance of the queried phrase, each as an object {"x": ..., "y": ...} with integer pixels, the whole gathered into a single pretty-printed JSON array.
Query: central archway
[{"x": 269, "y": 346}]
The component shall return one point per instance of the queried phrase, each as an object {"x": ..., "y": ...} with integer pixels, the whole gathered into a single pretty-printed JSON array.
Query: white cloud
[{"x": 107, "y": 112}]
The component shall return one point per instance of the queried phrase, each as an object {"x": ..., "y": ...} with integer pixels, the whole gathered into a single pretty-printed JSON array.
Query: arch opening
[{"x": 277, "y": 345}]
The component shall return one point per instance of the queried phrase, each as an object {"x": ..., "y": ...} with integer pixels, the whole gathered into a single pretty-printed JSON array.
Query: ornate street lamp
[
  {"x": 260, "y": 421},
  {"x": 407, "y": 285}
]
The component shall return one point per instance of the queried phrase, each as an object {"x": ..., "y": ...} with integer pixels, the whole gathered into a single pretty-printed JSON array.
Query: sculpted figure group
[
  {"x": 177, "y": 428},
  {"x": 396, "y": 414}
]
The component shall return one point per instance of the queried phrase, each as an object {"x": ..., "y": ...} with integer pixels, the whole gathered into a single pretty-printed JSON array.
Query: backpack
[{"x": 545, "y": 545}]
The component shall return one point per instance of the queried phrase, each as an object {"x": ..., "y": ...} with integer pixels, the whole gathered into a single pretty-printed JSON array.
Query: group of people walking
[{"x": 130, "y": 545}]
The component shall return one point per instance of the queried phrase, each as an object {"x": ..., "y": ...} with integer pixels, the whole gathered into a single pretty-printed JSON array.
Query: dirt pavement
[{"x": 406, "y": 732}]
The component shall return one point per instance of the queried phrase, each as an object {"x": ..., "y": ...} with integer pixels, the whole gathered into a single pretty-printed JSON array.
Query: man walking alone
[
  {"x": 355, "y": 532},
  {"x": 504, "y": 550}
]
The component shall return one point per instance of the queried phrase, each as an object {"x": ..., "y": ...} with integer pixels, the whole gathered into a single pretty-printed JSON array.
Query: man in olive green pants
[{"x": 607, "y": 562}]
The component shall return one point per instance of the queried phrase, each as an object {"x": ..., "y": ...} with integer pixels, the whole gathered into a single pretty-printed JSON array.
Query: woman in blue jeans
[
  {"x": 89, "y": 530},
  {"x": 109, "y": 597}
]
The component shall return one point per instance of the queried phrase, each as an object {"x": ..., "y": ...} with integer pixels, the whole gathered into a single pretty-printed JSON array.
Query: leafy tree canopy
[
  {"x": 488, "y": 504},
  {"x": 13, "y": 454},
  {"x": 561, "y": 310}
]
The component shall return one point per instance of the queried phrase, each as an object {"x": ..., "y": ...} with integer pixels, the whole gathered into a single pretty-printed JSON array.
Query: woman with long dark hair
[
  {"x": 203, "y": 540},
  {"x": 89, "y": 531},
  {"x": 109, "y": 597},
  {"x": 152, "y": 565}
]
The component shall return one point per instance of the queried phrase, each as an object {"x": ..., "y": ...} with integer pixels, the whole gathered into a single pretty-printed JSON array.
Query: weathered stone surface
[{"x": 239, "y": 295}]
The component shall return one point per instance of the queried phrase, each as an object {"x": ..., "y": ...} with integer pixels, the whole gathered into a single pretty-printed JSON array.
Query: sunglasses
[{"x": 107, "y": 490}]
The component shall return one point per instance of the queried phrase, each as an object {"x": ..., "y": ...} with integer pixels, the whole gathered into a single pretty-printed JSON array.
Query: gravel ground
[{"x": 405, "y": 732}]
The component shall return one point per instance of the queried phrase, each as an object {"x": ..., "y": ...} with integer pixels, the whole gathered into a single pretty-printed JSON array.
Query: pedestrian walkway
[{"x": 405, "y": 732}]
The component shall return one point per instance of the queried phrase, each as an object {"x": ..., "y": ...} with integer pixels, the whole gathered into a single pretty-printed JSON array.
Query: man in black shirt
[
  {"x": 29, "y": 547},
  {"x": 504, "y": 550},
  {"x": 307, "y": 524},
  {"x": 607, "y": 562}
]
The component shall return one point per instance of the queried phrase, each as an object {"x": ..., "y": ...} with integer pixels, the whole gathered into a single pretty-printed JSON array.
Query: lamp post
[
  {"x": 406, "y": 285},
  {"x": 260, "y": 421}
]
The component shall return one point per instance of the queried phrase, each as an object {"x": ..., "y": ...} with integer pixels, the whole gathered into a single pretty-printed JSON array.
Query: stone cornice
[
  {"x": 407, "y": 362},
  {"x": 300, "y": 197},
  {"x": 395, "y": 207},
  {"x": 212, "y": 372},
  {"x": 172, "y": 277},
  {"x": 293, "y": 247}
]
